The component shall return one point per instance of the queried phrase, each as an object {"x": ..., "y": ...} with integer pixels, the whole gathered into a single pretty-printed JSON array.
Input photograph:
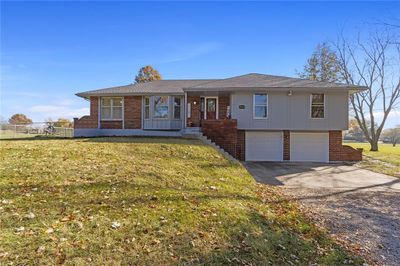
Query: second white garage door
[
  {"x": 264, "y": 146},
  {"x": 311, "y": 147}
]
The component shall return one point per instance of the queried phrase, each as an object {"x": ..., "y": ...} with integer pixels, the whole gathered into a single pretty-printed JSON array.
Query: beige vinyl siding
[{"x": 291, "y": 112}]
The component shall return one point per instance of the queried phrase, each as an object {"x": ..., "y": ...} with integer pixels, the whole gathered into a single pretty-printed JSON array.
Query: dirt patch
[{"x": 366, "y": 221}]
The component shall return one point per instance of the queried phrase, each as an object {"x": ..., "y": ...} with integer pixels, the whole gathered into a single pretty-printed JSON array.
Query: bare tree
[{"x": 374, "y": 63}]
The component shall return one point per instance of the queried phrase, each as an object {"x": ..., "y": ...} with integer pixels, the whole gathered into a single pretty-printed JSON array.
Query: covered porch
[
  {"x": 209, "y": 113},
  {"x": 202, "y": 106}
]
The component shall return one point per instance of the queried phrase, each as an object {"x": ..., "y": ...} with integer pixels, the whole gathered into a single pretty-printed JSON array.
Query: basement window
[{"x": 317, "y": 105}]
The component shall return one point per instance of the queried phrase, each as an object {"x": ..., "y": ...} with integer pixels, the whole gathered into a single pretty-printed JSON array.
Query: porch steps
[{"x": 209, "y": 142}]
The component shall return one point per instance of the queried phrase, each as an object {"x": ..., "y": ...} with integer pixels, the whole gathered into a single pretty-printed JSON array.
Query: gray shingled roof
[
  {"x": 248, "y": 81},
  {"x": 158, "y": 86},
  {"x": 254, "y": 80}
]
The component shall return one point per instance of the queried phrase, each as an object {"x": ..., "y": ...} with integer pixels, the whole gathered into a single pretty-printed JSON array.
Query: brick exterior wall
[
  {"x": 111, "y": 124},
  {"x": 133, "y": 112},
  {"x": 286, "y": 145},
  {"x": 241, "y": 145},
  {"x": 223, "y": 132},
  {"x": 339, "y": 152},
  {"x": 89, "y": 121},
  {"x": 223, "y": 102},
  {"x": 132, "y": 115},
  {"x": 194, "y": 120}
]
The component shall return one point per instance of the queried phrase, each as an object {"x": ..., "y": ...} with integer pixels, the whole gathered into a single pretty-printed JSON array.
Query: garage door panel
[
  {"x": 264, "y": 146},
  {"x": 312, "y": 147}
]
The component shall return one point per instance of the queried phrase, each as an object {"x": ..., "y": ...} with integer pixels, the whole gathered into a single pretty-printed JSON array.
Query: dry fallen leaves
[
  {"x": 115, "y": 225},
  {"x": 30, "y": 215}
]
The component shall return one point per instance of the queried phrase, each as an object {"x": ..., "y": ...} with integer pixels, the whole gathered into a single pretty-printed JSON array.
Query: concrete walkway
[{"x": 357, "y": 206}]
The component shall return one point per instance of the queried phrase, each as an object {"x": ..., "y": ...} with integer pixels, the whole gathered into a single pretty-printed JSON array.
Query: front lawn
[
  {"x": 146, "y": 201},
  {"x": 386, "y": 160}
]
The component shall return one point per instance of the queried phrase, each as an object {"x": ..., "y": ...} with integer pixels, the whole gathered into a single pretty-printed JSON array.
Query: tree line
[{"x": 22, "y": 119}]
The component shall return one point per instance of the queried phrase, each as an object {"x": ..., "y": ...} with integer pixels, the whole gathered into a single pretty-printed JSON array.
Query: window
[
  {"x": 260, "y": 102},
  {"x": 146, "y": 107},
  {"x": 160, "y": 107},
  {"x": 177, "y": 107},
  {"x": 111, "y": 108},
  {"x": 317, "y": 105},
  {"x": 189, "y": 110}
]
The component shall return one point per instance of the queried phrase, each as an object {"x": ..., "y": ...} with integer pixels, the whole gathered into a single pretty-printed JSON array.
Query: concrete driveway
[
  {"x": 357, "y": 206},
  {"x": 317, "y": 175}
]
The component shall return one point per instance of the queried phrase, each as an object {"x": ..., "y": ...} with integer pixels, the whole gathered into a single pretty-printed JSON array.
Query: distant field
[{"x": 386, "y": 160}]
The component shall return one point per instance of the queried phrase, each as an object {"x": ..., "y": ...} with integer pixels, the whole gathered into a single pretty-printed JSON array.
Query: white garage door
[
  {"x": 264, "y": 146},
  {"x": 312, "y": 147}
]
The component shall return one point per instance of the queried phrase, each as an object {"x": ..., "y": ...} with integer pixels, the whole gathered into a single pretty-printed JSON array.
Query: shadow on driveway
[{"x": 360, "y": 207}]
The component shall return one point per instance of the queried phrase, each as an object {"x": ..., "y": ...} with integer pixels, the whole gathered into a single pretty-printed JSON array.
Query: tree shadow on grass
[
  {"x": 253, "y": 237},
  {"x": 258, "y": 240},
  {"x": 34, "y": 138},
  {"x": 134, "y": 139},
  {"x": 144, "y": 139}
]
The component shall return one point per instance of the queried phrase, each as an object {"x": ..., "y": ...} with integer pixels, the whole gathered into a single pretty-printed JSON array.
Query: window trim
[
  {"x": 111, "y": 112},
  {"x": 173, "y": 108},
  {"x": 254, "y": 106},
  {"x": 311, "y": 105},
  {"x": 144, "y": 107},
  {"x": 154, "y": 106}
]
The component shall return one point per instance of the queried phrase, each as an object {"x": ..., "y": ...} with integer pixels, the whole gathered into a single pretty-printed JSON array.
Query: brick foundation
[
  {"x": 133, "y": 112},
  {"x": 89, "y": 121},
  {"x": 111, "y": 124},
  {"x": 286, "y": 145},
  {"x": 339, "y": 152},
  {"x": 223, "y": 132},
  {"x": 241, "y": 145}
]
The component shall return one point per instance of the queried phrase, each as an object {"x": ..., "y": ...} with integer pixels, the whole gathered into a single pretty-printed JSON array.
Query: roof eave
[
  {"x": 344, "y": 88},
  {"x": 88, "y": 95}
]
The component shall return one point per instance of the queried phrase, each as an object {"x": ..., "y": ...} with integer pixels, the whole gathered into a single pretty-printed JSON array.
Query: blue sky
[{"x": 52, "y": 50}]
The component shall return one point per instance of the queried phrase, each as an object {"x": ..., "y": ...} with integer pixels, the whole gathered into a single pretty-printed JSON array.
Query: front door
[{"x": 211, "y": 108}]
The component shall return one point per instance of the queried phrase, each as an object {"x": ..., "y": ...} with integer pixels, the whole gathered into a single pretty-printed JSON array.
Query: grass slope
[
  {"x": 145, "y": 201},
  {"x": 386, "y": 160}
]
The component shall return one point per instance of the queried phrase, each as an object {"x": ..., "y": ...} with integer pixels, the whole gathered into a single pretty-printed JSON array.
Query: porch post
[{"x": 185, "y": 111}]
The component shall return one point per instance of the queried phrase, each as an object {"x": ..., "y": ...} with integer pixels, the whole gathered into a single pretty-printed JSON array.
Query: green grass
[
  {"x": 386, "y": 160},
  {"x": 176, "y": 201},
  {"x": 9, "y": 134}
]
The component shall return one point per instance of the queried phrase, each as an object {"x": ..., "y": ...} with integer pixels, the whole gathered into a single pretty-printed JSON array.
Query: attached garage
[
  {"x": 309, "y": 146},
  {"x": 264, "y": 146}
]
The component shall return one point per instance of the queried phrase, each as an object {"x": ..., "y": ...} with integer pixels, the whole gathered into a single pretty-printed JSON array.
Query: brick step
[{"x": 209, "y": 142}]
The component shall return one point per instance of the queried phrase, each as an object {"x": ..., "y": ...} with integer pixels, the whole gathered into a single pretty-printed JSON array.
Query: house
[{"x": 254, "y": 117}]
